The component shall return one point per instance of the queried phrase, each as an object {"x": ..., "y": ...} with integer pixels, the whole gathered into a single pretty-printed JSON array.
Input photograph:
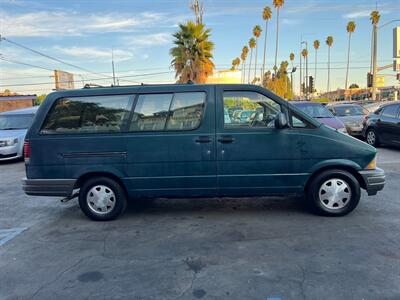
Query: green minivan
[{"x": 109, "y": 145}]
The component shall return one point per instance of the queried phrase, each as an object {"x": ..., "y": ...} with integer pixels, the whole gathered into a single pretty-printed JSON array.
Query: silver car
[
  {"x": 13, "y": 127},
  {"x": 352, "y": 115}
]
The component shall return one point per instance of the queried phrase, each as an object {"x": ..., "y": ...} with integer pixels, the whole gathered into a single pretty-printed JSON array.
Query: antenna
[{"x": 112, "y": 62}]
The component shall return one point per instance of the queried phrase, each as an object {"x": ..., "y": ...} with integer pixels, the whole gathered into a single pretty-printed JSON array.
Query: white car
[{"x": 13, "y": 127}]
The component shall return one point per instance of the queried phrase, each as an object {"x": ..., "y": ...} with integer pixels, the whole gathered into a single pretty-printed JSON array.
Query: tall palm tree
[
  {"x": 192, "y": 53},
  {"x": 243, "y": 56},
  {"x": 316, "y": 47},
  {"x": 267, "y": 15},
  {"x": 351, "y": 27},
  {"x": 256, "y": 32},
  {"x": 291, "y": 57},
  {"x": 277, "y": 4},
  {"x": 304, "y": 53},
  {"x": 329, "y": 42},
  {"x": 374, "y": 17},
  {"x": 252, "y": 44},
  {"x": 235, "y": 63}
]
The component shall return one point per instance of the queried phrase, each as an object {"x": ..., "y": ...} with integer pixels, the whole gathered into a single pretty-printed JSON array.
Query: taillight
[{"x": 27, "y": 151}]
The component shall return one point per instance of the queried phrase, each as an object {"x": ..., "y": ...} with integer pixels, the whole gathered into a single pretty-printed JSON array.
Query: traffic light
[
  {"x": 369, "y": 79},
  {"x": 310, "y": 84}
]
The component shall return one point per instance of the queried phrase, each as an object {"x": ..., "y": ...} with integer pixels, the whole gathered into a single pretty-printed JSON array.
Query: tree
[
  {"x": 235, "y": 63},
  {"x": 192, "y": 54},
  {"x": 291, "y": 57},
  {"x": 277, "y": 4},
  {"x": 39, "y": 99},
  {"x": 243, "y": 56},
  {"x": 267, "y": 15},
  {"x": 329, "y": 43},
  {"x": 279, "y": 84},
  {"x": 252, "y": 44},
  {"x": 256, "y": 32},
  {"x": 316, "y": 47},
  {"x": 354, "y": 86},
  {"x": 351, "y": 27}
]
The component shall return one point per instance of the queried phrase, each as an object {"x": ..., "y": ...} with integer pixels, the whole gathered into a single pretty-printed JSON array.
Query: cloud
[
  {"x": 56, "y": 23},
  {"x": 361, "y": 14},
  {"x": 291, "y": 21},
  {"x": 95, "y": 53},
  {"x": 153, "y": 39}
]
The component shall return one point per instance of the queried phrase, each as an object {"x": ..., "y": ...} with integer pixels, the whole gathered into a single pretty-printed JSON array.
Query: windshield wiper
[{"x": 11, "y": 128}]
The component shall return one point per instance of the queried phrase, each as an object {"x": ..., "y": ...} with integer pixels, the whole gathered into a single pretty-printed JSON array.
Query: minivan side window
[
  {"x": 91, "y": 114},
  {"x": 159, "y": 112},
  {"x": 249, "y": 109}
]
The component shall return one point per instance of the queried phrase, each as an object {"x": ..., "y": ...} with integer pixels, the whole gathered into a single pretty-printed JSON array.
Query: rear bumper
[
  {"x": 48, "y": 187},
  {"x": 374, "y": 180}
]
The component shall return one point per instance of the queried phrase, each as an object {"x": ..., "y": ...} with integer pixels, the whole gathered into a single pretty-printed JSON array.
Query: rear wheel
[
  {"x": 372, "y": 138},
  {"x": 102, "y": 199},
  {"x": 333, "y": 193}
]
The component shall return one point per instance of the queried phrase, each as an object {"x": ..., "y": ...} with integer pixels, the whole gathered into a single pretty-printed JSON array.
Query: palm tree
[
  {"x": 278, "y": 4},
  {"x": 375, "y": 16},
  {"x": 329, "y": 42},
  {"x": 252, "y": 44},
  {"x": 291, "y": 57},
  {"x": 243, "y": 56},
  {"x": 267, "y": 15},
  {"x": 304, "y": 53},
  {"x": 256, "y": 32},
  {"x": 235, "y": 63},
  {"x": 316, "y": 47},
  {"x": 192, "y": 53},
  {"x": 351, "y": 27}
]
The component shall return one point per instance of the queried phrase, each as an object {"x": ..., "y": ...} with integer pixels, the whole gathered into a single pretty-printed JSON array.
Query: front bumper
[
  {"x": 48, "y": 187},
  {"x": 10, "y": 152},
  {"x": 374, "y": 180}
]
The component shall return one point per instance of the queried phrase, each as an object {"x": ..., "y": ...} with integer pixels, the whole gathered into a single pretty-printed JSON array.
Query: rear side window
[
  {"x": 390, "y": 111},
  {"x": 159, "y": 112},
  {"x": 87, "y": 115}
]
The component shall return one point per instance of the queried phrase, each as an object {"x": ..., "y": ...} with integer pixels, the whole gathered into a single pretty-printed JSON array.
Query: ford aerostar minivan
[{"x": 109, "y": 145}]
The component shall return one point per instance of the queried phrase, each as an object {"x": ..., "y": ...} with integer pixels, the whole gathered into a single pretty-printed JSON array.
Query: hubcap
[
  {"x": 371, "y": 137},
  {"x": 100, "y": 199},
  {"x": 334, "y": 193}
]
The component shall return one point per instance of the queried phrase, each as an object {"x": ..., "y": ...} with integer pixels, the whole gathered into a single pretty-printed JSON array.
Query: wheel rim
[
  {"x": 101, "y": 199},
  {"x": 371, "y": 137},
  {"x": 334, "y": 193}
]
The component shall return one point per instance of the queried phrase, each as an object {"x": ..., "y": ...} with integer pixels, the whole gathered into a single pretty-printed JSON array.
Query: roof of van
[{"x": 21, "y": 111}]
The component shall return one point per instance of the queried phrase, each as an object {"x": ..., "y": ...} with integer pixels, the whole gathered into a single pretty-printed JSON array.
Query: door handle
[
  {"x": 203, "y": 139},
  {"x": 226, "y": 139}
]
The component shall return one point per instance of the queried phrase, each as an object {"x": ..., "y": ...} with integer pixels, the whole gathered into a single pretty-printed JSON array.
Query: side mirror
[{"x": 281, "y": 121}]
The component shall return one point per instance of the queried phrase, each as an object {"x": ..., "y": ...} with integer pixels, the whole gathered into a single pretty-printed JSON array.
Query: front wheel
[
  {"x": 102, "y": 199},
  {"x": 333, "y": 193},
  {"x": 372, "y": 138}
]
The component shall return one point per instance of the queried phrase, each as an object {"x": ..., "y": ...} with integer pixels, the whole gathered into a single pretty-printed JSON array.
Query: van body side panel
[{"x": 174, "y": 163}]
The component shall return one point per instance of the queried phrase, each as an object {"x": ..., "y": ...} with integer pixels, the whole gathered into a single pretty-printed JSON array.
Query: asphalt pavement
[{"x": 260, "y": 248}]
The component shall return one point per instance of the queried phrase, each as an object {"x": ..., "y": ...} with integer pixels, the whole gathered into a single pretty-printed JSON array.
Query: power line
[
  {"x": 25, "y": 64},
  {"x": 51, "y": 57}
]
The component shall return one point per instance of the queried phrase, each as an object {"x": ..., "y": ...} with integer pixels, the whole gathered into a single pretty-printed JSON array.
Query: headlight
[
  {"x": 342, "y": 130},
  {"x": 372, "y": 164},
  {"x": 8, "y": 142}
]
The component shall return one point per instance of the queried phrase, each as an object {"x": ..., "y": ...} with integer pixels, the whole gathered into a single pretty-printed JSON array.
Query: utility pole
[
  {"x": 374, "y": 66},
  {"x": 198, "y": 9},
  {"x": 301, "y": 78},
  {"x": 112, "y": 62},
  {"x": 307, "y": 71}
]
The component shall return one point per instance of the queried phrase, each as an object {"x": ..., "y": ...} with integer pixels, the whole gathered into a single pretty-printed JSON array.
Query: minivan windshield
[
  {"x": 349, "y": 110},
  {"x": 315, "y": 110},
  {"x": 14, "y": 122}
]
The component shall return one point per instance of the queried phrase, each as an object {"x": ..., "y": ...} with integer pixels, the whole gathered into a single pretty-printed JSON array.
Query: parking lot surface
[{"x": 200, "y": 249}]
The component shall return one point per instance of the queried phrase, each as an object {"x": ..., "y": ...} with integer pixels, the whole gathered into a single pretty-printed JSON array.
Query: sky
[{"x": 139, "y": 33}]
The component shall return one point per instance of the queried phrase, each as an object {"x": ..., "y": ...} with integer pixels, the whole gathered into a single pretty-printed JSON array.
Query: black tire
[
  {"x": 119, "y": 198},
  {"x": 373, "y": 142},
  {"x": 321, "y": 206}
]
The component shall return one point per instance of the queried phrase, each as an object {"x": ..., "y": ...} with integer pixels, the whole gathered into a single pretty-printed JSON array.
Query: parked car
[
  {"x": 108, "y": 145},
  {"x": 383, "y": 125},
  {"x": 372, "y": 107},
  {"x": 13, "y": 127},
  {"x": 352, "y": 115},
  {"x": 320, "y": 112}
]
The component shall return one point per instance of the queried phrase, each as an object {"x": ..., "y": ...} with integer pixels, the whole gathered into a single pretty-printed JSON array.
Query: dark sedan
[{"x": 383, "y": 125}]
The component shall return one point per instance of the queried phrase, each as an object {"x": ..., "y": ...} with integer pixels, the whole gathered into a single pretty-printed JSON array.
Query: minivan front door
[
  {"x": 171, "y": 143},
  {"x": 254, "y": 157}
]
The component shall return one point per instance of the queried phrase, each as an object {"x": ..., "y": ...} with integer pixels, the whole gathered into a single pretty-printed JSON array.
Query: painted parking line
[{"x": 7, "y": 235}]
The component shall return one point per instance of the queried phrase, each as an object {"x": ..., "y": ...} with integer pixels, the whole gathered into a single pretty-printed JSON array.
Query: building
[
  {"x": 225, "y": 76},
  {"x": 11, "y": 102}
]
